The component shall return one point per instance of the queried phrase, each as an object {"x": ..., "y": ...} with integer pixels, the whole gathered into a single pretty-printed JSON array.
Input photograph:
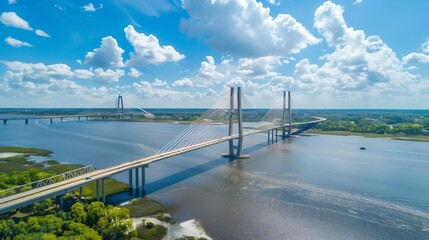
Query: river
[{"x": 306, "y": 187}]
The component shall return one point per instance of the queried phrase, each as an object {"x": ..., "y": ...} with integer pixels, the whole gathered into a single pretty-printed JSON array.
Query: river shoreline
[{"x": 371, "y": 135}]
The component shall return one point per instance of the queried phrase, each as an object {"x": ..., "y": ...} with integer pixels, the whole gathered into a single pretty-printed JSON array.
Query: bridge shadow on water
[
  {"x": 196, "y": 170},
  {"x": 167, "y": 181}
]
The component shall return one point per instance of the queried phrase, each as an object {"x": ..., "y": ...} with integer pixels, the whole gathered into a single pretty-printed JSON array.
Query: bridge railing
[{"x": 40, "y": 183}]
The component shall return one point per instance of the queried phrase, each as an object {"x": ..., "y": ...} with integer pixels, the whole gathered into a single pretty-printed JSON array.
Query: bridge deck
[{"x": 56, "y": 189}]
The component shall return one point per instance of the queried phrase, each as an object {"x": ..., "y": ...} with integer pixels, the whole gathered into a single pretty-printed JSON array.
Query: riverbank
[
  {"x": 153, "y": 222},
  {"x": 371, "y": 135},
  {"x": 15, "y": 160},
  {"x": 142, "y": 211}
]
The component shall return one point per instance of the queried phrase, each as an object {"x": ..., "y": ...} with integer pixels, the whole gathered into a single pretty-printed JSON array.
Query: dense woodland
[
  {"x": 380, "y": 122},
  {"x": 82, "y": 221}
]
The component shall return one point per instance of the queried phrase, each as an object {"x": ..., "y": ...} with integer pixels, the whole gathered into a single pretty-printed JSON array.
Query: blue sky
[{"x": 187, "y": 53}]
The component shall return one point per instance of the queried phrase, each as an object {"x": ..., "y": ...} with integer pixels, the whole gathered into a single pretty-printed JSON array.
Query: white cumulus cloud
[
  {"x": 258, "y": 67},
  {"x": 415, "y": 58},
  {"x": 39, "y": 72},
  {"x": 134, "y": 73},
  {"x": 185, "y": 82},
  {"x": 108, "y": 76},
  {"x": 159, "y": 83},
  {"x": 147, "y": 49},
  {"x": 244, "y": 28},
  {"x": 11, "y": 2},
  {"x": 358, "y": 62},
  {"x": 88, "y": 7},
  {"x": 16, "y": 43},
  {"x": 425, "y": 46},
  {"x": 83, "y": 74},
  {"x": 13, "y": 20},
  {"x": 42, "y": 33},
  {"x": 108, "y": 55},
  {"x": 208, "y": 69}
]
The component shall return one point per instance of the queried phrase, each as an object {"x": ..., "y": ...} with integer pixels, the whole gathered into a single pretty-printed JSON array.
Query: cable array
[{"x": 202, "y": 129}]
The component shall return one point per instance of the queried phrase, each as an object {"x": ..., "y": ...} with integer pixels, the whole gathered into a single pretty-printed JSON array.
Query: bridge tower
[
  {"x": 289, "y": 113},
  {"x": 239, "y": 147},
  {"x": 120, "y": 106}
]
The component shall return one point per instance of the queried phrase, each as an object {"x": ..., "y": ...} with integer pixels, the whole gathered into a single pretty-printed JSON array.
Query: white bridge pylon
[{"x": 226, "y": 110}]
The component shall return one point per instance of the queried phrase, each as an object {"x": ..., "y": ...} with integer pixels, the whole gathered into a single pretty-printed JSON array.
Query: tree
[
  {"x": 95, "y": 211},
  {"x": 51, "y": 224},
  {"x": 42, "y": 206},
  {"x": 116, "y": 224},
  {"x": 81, "y": 231},
  {"x": 78, "y": 213}
]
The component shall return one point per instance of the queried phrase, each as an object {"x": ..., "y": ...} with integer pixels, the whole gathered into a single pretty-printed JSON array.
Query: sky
[{"x": 188, "y": 53}]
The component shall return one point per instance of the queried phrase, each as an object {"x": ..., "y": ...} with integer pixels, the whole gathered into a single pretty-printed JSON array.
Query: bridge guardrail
[{"x": 40, "y": 183}]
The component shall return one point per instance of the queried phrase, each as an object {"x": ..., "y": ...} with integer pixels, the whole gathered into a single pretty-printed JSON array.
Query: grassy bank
[
  {"x": 372, "y": 135},
  {"x": 18, "y": 164},
  {"x": 144, "y": 207}
]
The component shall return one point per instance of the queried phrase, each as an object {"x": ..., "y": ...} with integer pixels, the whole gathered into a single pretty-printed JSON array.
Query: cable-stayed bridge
[{"x": 199, "y": 134}]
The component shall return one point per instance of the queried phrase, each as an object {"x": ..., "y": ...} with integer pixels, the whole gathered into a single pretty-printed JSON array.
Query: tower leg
[
  {"x": 97, "y": 190},
  {"x": 290, "y": 115},
  {"x": 130, "y": 181},
  {"x": 143, "y": 192},
  {"x": 103, "y": 190},
  {"x": 137, "y": 182}
]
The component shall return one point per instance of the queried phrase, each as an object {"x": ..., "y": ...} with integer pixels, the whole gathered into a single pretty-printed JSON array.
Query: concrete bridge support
[
  {"x": 120, "y": 107},
  {"x": 136, "y": 189},
  {"x": 289, "y": 113},
  {"x": 26, "y": 121},
  {"x": 4, "y": 121},
  {"x": 97, "y": 189},
  {"x": 103, "y": 190},
  {"x": 130, "y": 181},
  {"x": 51, "y": 120},
  {"x": 239, "y": 147}
]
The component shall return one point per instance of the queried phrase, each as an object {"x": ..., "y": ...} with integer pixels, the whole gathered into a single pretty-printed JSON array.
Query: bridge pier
[
  {"x": 86, "y": 118},
  {"x": 239, "y": 147},
  {"x": 143, "y": 192},
  {"x": 289, "y": 132},
  {"x": 61, "y": 119},
  {"x": 51, "y": 120},
  {"x": 81, "y": 192},
  {"x": 130, "y": 181},
  {"x": 97, "y": 190},
  {"x": 103, "y": 190},
  {"x": 120, "y": 107},
  {"x": 4, "y": 121},
  {"x": 26, "y": 121},
  {"x": 78, "y": 118},
  {"x": 137, "y": 182}
]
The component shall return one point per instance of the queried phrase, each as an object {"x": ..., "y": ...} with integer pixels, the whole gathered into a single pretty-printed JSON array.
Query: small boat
[{"x": 362, "y": 148}]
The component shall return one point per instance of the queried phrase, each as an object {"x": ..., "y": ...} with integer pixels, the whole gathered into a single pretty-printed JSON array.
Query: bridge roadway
[
  {"x": 5, "y": 119},
  {"x": 60, "y": 188}
]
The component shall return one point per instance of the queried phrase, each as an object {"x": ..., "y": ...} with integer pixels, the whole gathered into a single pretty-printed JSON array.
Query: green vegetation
[
  {"x": 113, "y": 187},
  {"x": 29, "y": 151},
  {"x": 149, "y": 231},
  {"x": 19, "y": 170},
  {"x": 145, "y": 207},
  {"x": 403, "y": 125},
  {"x": 21, "y": 162},
  {"x": 83, "y": 221}
]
